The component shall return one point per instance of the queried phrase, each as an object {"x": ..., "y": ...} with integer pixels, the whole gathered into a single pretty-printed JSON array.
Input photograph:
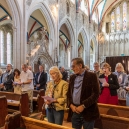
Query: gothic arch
[
  {"x": 49, "y": 19},
  {"x": 95, "y": 47},
  {"x": 85, "y": 43},
  {"x": 69, "y": 26},
  {"x": 17, "y": 36}
]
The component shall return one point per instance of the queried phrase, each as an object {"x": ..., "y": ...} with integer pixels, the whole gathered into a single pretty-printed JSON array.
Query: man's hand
[
  {"x": 127, "y": 88},
  {"x": 38, "y": 85},
  {"x": 74, "y": 108},
  {"x": 1, "y": 85},
  {"x": 79, "y": 109}
]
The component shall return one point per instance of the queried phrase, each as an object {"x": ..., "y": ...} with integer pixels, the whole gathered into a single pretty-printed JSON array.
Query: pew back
[
  {"x": 121, "y": 111},
  {"x": 3, "y": 110},
  {"x": 17, "y": 102},
  {"x": 112, "y": 122},
  {"x": 31, "y": 123}
]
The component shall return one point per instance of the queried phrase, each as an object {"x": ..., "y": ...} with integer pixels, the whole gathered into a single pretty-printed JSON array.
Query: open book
[
  {"x": 48, "y": 98},
  {"x": 102, "y": 80}
]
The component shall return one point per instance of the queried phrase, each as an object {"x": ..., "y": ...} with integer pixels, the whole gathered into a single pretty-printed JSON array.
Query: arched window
[
  {"x": 68, "y": 8},
  {"x": 1, "y": 47},
  {"x": 118, "y": 19},
  {"x": 112, "y": 22},
  {"x": 9, "y": 48},
  {"x": 124, "y": 16}
]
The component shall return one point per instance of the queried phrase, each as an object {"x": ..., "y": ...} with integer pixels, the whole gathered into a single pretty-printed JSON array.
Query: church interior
[{"x": 41, "y": 34}]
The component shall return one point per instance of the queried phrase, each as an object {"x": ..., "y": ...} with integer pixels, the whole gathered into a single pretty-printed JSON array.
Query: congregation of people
[{"x": 80, "y": 92}]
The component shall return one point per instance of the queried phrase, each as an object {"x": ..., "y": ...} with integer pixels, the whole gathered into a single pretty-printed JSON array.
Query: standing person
[
  {"x": 30, "y": 68},
  {"x": 1, "y": 72},
  {"x": 56, "y": 89},
  {"x": 83, "y": 93},
  {"x": 64, "y": 73},
  {"x": 41, "y": 78},
  {"x": 26, "y": 82},
  {"x": 17, "y": 88},
  {"x": 109, "y": 86},
  {"x": 7, "y": 79},
  {"x": 121, "y": 76},
  {"x": 126, "y": 87},
  {"x": 97, "y": 69}
]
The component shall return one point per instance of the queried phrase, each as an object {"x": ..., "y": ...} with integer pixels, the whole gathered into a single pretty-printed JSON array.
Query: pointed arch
[{"x": 45, "y": 10}]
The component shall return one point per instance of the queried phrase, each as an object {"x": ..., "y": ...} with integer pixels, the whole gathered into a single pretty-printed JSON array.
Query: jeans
[
  {"x": 54, "y": 116},
  {"x": 78, "y": 121}
]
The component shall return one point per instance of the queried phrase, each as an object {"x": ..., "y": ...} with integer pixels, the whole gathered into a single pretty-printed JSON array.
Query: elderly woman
[
  {"x": 126, "y": 87},
  {"x": 121, "y": 75},
  {"x": 109, "y": 85},
  {"x": 57, "y": 90}
]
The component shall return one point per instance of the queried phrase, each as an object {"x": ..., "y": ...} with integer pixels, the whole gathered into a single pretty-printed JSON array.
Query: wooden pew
[
  {"x": 3, "y": 110},
  {"x": 31, "y": 123},
  {"x": 122, "y": 102},
  {"x": 37, "y": 99},
  {"x": 114, "y": 110},
  {"x": 15, "y": 121},
  {"x": 17, "y": 102},
  {"x": 112, "y": 122}
]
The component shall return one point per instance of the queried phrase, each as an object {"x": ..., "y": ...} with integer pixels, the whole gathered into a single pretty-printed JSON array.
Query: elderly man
[
  {"x": 41, "y": 78},
  {"x": 82, "y": 96},
  {"x": 97, "y": 69},
  {"x": 26, "y": 83},
  {"x": 7, "y": 79}
]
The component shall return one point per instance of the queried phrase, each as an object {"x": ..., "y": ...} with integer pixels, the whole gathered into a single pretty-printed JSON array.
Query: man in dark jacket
[
  {"x": 7, "y": 79},
  {"x": 64, "y": 74},
  {"x": 82, "y": 96},
  {"x": 41, "y": 79}
]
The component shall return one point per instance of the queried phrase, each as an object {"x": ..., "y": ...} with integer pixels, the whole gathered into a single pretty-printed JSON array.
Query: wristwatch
[{"x": 83, "y": 106}]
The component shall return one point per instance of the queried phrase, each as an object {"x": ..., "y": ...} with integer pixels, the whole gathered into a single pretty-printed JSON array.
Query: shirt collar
[{"x": 82, "y": 74}]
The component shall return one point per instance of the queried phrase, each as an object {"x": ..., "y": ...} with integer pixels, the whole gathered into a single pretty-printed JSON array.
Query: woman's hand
[
  {"x": 48, "y": 102},
  {"x": 105, "y": 84}
]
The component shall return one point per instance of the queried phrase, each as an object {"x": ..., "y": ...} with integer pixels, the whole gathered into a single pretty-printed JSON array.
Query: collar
[{"x": 82, "y": 74}]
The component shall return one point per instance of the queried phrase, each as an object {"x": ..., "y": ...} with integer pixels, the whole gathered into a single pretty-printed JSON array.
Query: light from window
[
  {"x": 118, "y": 19},
  {"x": 124, "y": 16},
  {"x": 1, "y": 47},
  {"x": 112, "y": 22},
  {"x": 9, "y": 48}
]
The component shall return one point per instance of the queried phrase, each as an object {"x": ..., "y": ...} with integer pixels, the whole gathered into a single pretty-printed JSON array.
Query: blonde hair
[
  {"x": 107, "y": 66},
  {"x": 119, "y": 64},
  {"x": 56, "y": 69}
]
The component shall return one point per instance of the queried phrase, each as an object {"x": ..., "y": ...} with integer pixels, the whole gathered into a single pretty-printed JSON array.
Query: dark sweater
[{"x": 113, "y": 84}]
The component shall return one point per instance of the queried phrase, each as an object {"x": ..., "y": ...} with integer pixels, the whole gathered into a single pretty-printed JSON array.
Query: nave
[{"x": 51, "y": 47}]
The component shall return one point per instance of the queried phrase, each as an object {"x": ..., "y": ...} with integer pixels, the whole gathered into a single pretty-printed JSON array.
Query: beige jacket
[{"x": 60, "y": 94}]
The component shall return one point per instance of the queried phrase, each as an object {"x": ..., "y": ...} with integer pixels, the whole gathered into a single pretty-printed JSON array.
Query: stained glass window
[
  {"x": 118, "y": 19},
  {"x": 1, "y": 47},
  {"x": 124, "y": 16},
  {"x": 9, "y": 48},
  {"x": 112, "y": 22}
]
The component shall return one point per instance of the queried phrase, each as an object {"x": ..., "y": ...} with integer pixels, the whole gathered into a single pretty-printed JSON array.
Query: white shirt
[{"x": 25, "y": 76}]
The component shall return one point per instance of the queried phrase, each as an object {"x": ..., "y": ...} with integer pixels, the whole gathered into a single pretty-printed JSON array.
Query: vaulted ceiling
[{"x": 101, "y": 7}]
